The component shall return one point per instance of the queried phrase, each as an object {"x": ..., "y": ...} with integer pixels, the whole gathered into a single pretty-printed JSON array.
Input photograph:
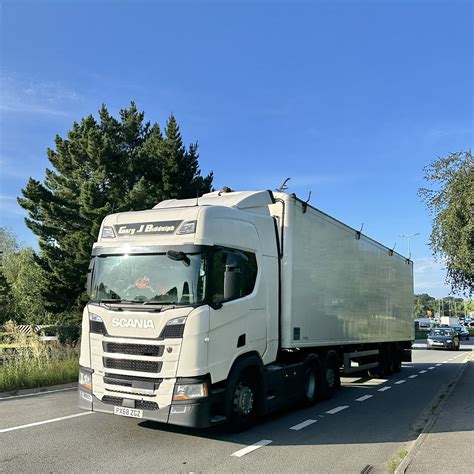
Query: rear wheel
[
  {"x": 312, "y": 382},
  {"x": 331, "y": 375}
]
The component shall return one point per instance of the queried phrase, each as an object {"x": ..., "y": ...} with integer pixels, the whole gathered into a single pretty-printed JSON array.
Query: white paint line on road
[
  {"x": 445, "y": 361},
  {"x": 364, "y": 398},
  {"x": 29, "y": 425},
  {"x": 37, "y": 393},
  {"x": 431, "y": 368},
  {"x": 252, "y": 447},
  {"x": 398, "y": 382},
  {"x": 437, "y": 365},
  {"x": 302, "y": 425},
  {"x": 384, "y": 388},
  {"x": 422, "y": 371},
  {"x": 321, "y": 416},
  {"x": 337, "y": 409},
  {"x": 412, "y": 376}
]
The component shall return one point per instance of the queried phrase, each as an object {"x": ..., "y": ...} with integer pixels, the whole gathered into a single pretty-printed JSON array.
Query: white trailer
[
  {"x": 450, "y": 320},
  {"x": 233, "y": 305}
]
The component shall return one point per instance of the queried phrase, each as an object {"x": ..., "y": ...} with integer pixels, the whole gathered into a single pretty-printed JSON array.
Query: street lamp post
[{"x": 409, "y": 236}]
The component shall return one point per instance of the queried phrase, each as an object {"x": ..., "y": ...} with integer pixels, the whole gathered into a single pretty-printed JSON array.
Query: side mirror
[
  {"x": 178, "y": 257},
  {"x": 89, "y": 277}
]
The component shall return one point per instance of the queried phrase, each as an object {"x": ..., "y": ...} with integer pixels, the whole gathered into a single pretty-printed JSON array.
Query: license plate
[
  {"x": 438, "y": 344},
  {"x": 123, "y": 411}
]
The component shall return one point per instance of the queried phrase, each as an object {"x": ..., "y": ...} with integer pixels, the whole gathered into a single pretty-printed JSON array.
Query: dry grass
[{"x": 37, "y": 364}]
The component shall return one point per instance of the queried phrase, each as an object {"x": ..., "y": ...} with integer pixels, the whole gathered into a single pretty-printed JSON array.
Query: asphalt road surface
[{"x": 361, "y": 429}]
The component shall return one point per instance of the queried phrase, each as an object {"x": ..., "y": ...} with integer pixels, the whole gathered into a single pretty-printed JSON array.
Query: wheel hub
[{"x": 243, "y": 399}]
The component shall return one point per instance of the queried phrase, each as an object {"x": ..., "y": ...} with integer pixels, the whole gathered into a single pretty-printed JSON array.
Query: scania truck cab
[
  {"x": 230, "y": 306},
  {"x": 177, "y": 295}
]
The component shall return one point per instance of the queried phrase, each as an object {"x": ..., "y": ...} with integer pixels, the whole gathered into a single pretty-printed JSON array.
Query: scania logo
[{"x": 133, "y": 323}]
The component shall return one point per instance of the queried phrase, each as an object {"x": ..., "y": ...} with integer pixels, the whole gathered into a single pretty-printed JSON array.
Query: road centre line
[
  {"x": 29, "y": 425},
  {"x": 252, "y": 447},
  {"x": 422, "y": 371},
  {"x": 37, "y": 393},
  {"x": 364, "y": 398},
  {"x": 383, "y": 389},
  {"x": 412, "y": 376},
  {"x": 337, "y": 409},
  {"x": 398, "y": 382},
  {"x": 303, "y": 424}
]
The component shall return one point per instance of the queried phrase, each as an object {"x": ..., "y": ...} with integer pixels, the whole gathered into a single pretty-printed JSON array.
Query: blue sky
[{"x": 349, "y": 98}]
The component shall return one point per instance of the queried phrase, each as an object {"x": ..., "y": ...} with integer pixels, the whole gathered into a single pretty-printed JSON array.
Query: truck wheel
[
  {"x": 312, "y": 382},
  {"x": 331, "y": 376},
  {"x": 242, "y": 402}
]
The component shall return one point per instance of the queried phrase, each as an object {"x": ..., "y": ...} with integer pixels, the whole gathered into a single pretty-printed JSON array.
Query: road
[{"x": 363, "y": 426}]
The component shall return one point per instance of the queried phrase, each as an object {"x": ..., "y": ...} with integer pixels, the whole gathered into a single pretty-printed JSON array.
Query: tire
[
  {"x": 397, "y": 362},
  {"x": 331, "y": 376},
  {"x": 312, "y": 382},
  {"x": 242, "y": 401}
]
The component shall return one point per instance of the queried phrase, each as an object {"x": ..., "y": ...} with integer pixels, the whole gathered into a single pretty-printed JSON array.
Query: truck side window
[{"x": 233, "y": 274}]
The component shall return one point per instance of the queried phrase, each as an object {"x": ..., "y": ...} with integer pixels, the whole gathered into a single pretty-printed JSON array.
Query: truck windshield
[{"x": 149, "y": 278}]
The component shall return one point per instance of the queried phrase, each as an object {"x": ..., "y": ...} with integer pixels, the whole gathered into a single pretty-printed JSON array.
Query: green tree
[
  {"x": 451, "y": 203},
  {"x": 23, "y": 281},
  {"x": 103, "y": 166}
]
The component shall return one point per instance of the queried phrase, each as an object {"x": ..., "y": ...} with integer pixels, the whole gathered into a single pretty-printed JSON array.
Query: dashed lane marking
[
  {"x": 398, "y": 382},
  {"x": 302, "y": 425},
  {"x": 422, "y": 371},
  {"x": 29, "y": 425},
  {"x": 252, "y": 447},
  {"x": 431, "y": 368},
  {"x": 337, "y": 409},
  {"x": 437, "y": 365},
  {"x": 364, "y": 398},
  {"x": 412, "y": 376},
  {"x": 384, "y": 388}
]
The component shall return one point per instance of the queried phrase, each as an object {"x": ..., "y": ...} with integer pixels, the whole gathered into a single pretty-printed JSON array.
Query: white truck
[
  {"x": 450, "y": 320},
  {"x": 233, "y": 305}
]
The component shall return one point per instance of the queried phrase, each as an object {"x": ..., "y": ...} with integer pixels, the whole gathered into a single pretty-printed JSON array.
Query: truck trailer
[{"x": 233, "y": 305}]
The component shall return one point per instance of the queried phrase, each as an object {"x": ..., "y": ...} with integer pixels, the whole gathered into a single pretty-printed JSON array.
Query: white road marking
[
  {"x": 37, "y": 393},
  {"x": 399, "y": 382},
  {"x": 364, "y": 398},
  {"x": 384, "y": 388},
  {"x": 302, "y": 425},
  {"x": 431, "y": 368},
  {"x": 445, "y": 361},
  {"x": 422, "y": 371},
  {"x": 29, "y": 425},
  {"x": 412, "y": 376},
  {"x": 252, "y": 447},
  {"x": 337, "y": 409},
  {"x": 437, "y": 365}
]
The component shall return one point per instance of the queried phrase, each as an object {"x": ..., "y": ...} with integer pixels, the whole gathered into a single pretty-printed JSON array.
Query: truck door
[{"x": 238, "y": 316}]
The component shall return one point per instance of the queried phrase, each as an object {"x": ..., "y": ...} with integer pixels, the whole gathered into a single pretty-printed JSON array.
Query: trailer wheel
[
  {"x": 242, "y": 402},
  {"x": 331, "y": 375},
  {"x": 312, "y": 382}
]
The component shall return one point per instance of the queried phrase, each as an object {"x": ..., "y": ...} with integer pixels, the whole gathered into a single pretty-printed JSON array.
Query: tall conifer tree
[{"x": 105, "y": 166}]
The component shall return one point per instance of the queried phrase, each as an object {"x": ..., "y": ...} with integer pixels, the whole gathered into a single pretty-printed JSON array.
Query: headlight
[
  {"x": 85, "y": 380},
  {"x": 190, "y": 392},
  {"x": 96, "y": 325},
  {"x": 449, "y": 340},
  {"x": 173, "y": 322}
]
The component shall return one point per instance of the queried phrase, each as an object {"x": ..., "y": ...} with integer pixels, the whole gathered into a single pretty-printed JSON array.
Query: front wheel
[
  {"x": 242, "y": 403},
  {"x": 312, "y": 383}
]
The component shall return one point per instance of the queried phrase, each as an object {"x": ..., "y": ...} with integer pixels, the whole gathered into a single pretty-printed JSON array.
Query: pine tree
[{"x": 105, "y": 166}]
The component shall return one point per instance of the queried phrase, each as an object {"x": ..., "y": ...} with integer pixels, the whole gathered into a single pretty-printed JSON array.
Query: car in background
[
  {"x": 443, "y": 338},
  {"x": 462, "y": 332}
]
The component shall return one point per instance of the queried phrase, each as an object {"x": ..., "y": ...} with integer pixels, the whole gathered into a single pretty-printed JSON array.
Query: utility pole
[{"x": 409, "y": 236}]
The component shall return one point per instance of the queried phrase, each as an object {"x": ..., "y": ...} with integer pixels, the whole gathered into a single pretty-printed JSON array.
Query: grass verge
[{"x": 394, "y": 463}]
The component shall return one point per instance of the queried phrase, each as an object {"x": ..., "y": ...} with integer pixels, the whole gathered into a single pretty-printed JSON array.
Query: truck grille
[
  {"x": 139, "y": 404},
  {"x": 127, "y": 380},
  {"x": 133, "y": 349},
  {"x": 133, "y": 365}
]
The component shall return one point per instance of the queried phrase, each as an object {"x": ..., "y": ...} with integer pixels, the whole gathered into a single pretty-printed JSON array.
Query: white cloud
[
  {"x": 9, "y": 207},
  {"x": 430, "y": 276},
  {"x": 35, "y": 97}
]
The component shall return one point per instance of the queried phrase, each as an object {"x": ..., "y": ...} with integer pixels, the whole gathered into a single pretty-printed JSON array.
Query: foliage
[
  {"x": 102, "y": 167},
  {"x": 36, "y": 364},
  {"x": 426, "y": 306},
  {"x": 25, "y": 282},
  {"x": 452, "y": 205}
]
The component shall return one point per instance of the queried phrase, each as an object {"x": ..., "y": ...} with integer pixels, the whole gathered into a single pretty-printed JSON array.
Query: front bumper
[
  {"x": 444, "y": 345},
  {"x": 193, "y": 415}
]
